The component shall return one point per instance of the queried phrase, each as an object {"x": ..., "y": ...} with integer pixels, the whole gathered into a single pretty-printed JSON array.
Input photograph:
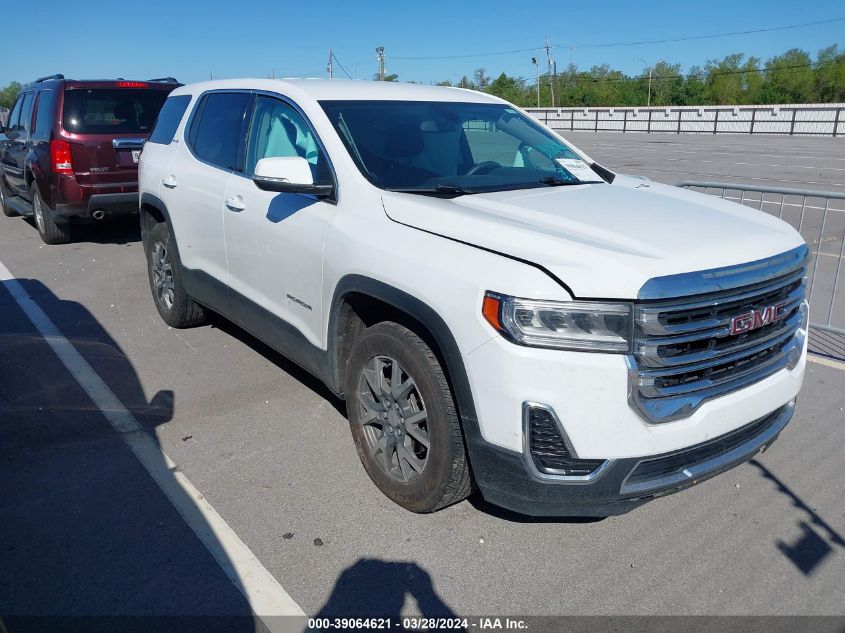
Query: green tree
[
  {"x": 830, "y": 75},
  {"x": 666, "y": 84},
  {"x": 508, "y": 88},
  {"x": 790, "y": 78},
  {"x": 724, "y": 82},
  {"x": 8, "y": 94}
]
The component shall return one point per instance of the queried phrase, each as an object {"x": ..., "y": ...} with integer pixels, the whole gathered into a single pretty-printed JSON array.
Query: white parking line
[
  {"x": 265, "y": 595},
  {"x": 827, "y": 362}
]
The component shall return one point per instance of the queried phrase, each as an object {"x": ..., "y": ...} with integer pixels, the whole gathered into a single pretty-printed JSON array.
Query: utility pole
[
  {"x": 650, "y": 69},
  {"x": 329, "y": 68},
  {"x": 536, "y": 63},
  {"x": 550, "y": 63},
  {"x": 381, "y": 71}
]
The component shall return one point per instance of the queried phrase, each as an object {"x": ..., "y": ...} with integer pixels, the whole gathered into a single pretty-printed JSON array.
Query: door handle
[
  {"x": 169, "y": 181},
  {"x": 235, "y": 203}
]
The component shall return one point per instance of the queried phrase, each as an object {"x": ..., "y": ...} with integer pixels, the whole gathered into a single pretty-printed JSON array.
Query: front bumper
[{"x": 507, "y": 479}]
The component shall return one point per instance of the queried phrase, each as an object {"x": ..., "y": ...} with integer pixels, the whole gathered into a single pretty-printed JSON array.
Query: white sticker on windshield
[{"x": 578, "y": 168}]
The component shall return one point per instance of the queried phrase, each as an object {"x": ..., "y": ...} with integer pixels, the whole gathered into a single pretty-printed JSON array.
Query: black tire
[
  {"x": 445, "y": 477},
  {"x": 176, "y": 308},
  {"x": 8, "y": 211},
  {"x": 51, "y": 232}
]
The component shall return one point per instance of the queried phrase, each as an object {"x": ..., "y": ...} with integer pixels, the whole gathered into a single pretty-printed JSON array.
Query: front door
[
  {"x": 17, "y": 147},
  {"x": 274, "y": 241}
]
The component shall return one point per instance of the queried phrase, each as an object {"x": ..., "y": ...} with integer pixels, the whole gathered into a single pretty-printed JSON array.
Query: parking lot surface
[{"x": 83, "y": 528}]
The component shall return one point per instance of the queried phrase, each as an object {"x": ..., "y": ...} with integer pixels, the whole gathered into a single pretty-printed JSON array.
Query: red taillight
[
  {"x": 131, "y": 84},
  {"x": 60, "y": 157}
]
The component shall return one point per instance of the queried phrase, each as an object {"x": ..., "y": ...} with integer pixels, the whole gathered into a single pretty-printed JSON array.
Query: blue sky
[{"x": 189, "y": 39}]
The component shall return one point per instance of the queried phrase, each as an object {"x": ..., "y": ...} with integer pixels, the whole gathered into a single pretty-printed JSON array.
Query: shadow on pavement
[
  {"x": 811, "y": 548},
  {"x": 88, "y": 540},
  {"x": 121, "y": 230},
  {"x": 373, "y": 588}
]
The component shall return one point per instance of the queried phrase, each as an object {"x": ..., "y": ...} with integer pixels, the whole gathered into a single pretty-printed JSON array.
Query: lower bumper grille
[{"x": 709, "y": 457}]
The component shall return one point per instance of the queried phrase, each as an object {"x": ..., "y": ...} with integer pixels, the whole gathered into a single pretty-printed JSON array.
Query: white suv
[{"x": 496, "y": 309}]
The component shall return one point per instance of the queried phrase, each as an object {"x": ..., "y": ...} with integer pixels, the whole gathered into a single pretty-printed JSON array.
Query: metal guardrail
[
  {"x": 820, "y": 218},
  {"x": 824, "y": 119}
]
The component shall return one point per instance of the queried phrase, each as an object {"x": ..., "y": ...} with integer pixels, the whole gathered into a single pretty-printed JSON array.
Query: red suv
[{"x": 69, "y": 150}]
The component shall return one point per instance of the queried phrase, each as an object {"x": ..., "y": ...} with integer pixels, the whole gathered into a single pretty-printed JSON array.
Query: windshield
[{"x": 453, "y": 148}]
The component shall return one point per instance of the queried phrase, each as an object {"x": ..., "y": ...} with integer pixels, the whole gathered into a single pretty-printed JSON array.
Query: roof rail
[
  {"x": 165, "y": 80},
  {"x": 48, "y": 78}
]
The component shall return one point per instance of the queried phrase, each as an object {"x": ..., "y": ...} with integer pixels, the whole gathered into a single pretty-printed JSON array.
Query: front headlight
[{"x": 573, "y": 325}]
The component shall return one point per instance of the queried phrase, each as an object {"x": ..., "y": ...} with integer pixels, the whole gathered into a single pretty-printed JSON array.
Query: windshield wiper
[
  {"x": 446, "y": 189},
  {"x": 551, "y": 181}
]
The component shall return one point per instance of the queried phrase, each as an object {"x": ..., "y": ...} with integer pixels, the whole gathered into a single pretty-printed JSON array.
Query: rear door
[
  {"x": 106, "y": 125},
  {"x": 192, "y": 186}
]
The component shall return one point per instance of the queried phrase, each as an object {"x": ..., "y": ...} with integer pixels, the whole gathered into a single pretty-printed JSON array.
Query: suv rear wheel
[
  {"x": 173, "y": 303},
  {"x": 404, "y": 422},
  {"x": 50, "y": 231}
]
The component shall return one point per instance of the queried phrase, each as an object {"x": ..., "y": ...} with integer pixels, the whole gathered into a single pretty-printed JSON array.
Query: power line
[
  {"x": 339, "y": 65},
  {"x": 714, "y": 35},
  {"x": 635, "y": 43}
]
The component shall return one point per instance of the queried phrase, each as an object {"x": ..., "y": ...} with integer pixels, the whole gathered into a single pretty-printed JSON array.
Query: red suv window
[{"x": 111, "y": 110}]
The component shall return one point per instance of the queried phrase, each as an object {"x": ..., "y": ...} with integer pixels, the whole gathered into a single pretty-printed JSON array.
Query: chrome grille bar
[{"x": 685, "y": 351}]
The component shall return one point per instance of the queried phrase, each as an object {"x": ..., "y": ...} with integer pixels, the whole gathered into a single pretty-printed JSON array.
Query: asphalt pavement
[{"x": 83, "y": 529}]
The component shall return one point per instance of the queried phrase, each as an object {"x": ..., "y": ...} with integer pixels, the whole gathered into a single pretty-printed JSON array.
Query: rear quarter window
[
  {"x": 217, "y": 129},
  {"x": 111, "y": 110},
  {"x": 44, "y": 114},
  {"x": 168, "y": 119}
]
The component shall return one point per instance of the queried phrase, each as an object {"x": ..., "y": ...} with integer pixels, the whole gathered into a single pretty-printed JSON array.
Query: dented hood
[{"x": 602, "y": 240}]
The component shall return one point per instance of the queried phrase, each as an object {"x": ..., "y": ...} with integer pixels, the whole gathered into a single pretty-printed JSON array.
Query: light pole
[
  {"x": 536, "y": 63},
  {"x": 650, "y": 68}
]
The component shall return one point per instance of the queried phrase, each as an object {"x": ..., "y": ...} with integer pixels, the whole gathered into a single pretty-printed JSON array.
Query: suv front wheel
[
  {"x": 403, "y": 419},
  {"x": 8, "y": 211}
]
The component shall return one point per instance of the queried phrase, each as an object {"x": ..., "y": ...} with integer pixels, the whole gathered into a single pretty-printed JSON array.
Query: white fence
[{"x": 798, "y": 120}]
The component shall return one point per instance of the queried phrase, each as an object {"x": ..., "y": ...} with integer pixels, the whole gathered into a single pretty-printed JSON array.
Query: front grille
[
  {"x": 685, "y": 352},
  {"x": 548, "y": 450},
  {"x": 662, "y": 468}
]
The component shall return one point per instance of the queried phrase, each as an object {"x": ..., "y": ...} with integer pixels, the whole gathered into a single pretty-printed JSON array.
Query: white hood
[{"x": 603, "y": 240}]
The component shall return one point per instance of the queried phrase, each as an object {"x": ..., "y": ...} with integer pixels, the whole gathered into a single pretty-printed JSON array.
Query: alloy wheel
[
  {"x": 38, "y": 212},
  {"x": 162, "y": 275},
  {"x": 394, "y": 418}
]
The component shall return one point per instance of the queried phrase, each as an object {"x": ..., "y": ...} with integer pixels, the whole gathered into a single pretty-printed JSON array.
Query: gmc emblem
[{"x": 757, "y": 318}]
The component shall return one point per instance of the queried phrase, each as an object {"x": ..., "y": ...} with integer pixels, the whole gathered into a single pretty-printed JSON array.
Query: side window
[
  {"x": 216, "y": 137},
  {"x": 15, "y": 115},
  {"x": 277, "y": 130},
  {"x": 43, "y": 114},
  {"x": 168, "y": 119},
  {"x": 26, "y": 113}
]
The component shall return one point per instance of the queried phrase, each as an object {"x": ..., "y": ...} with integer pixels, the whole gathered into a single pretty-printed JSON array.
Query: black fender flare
[{"x": 419, "y": 311}]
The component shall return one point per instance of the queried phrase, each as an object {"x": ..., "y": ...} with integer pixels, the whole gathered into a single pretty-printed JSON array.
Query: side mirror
[{"x": 288, "y": 175}]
